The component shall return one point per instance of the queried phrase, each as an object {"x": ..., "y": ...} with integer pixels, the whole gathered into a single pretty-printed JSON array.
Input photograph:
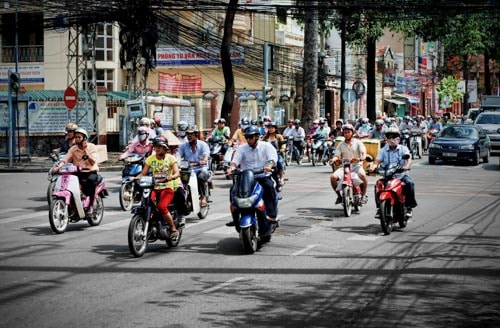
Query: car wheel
[
  {"x": 486, "y": 159},
  {"x": 432, "y": 160},
  {"x": 475, "y": 158}
]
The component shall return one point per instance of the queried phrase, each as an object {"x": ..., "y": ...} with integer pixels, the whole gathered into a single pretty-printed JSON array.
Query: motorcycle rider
[
  {"x": 364, "y": 128},
  {"x": 181, "y": 131},
  {"x": 165, "y": 170},
  {"x": 222, "y": 131},
  {"x": 157, "y": 126},
  {"x": 257, "y": 154},
  {"x": 197, "y": 151},
  {"x": 70, "y": 137},
  {"x": 84, "y": 155},
  {"x": 349, "y": 148},
  {"x": 298, "y": 134},
  {"x": 141, "y": 147},
  {"x": 289, "y": 128},
  {"x": 239, "y": 134},
  {"x": 378, "y": 131},
  {"x": 392, "y": 155},
  {"x": 337, "y": 131},
  {"x": 323, "y": 131},
  {"x": 274, "y": 138}
]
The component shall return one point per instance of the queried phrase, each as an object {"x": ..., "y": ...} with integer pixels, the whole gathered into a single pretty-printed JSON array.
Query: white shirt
[{"x": 255, "y": 158}]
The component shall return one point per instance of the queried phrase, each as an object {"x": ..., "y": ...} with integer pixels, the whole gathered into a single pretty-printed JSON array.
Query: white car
[{"x": 490, "y": 123}]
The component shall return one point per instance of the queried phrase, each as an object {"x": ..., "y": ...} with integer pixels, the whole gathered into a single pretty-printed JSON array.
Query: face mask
[
  {"x": 393, "y": 141},
  {"x": 142, "y": 137},
  {"x": 181, "y": 134}
]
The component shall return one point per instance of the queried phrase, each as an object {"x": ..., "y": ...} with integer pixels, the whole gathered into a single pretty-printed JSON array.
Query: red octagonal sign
[{"x": 70, "y": 98}]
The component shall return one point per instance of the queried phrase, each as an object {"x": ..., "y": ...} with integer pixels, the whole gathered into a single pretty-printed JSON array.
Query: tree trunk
[
  {"x": 225, "y": 55},
  {"x": 371, "y": 90},
  {"x": 311, "y": 42},
  {"x": 487, "y": 75}
]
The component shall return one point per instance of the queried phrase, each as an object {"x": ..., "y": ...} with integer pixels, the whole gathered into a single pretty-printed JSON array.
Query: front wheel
[
  {"x": 58, "y": 215},
  {"x": 96, "y": 218},
  {"x": 137, "y": 236},
  {"x": 313, "y": 158},
  {"x": 249, "y": 239},
  {"x": 288, "y": 157},
  {"x": 346, "y": 200},
  {"x": 126, "y": 196},
  {"x": 385, "y": 218},
  {"x": 204, "y": 210}
]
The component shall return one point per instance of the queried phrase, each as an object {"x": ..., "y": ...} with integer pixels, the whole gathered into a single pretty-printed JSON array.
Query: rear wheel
[
  {"x": 249, "y": 239},
  {"x": 96, "y": 219},
  {"x": 58, "y": 215},
  {"x": 288, "y": 157},
  {"x": 126, "y": 196},
  {"x": 385, "y": 219},
  {"x": 137, "y": 236},
  {"x": 346, "y": 200}
]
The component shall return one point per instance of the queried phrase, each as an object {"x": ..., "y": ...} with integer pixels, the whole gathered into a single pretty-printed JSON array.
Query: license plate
[{"x": 450, "y": 154}]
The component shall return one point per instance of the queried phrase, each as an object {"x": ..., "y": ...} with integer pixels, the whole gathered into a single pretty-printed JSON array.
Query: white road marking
[
  {"x": 222, "y": 285},
  {"x": 363, "y": 237},
  {"x": 449, "y": 234},
  {"x": 302, "y": 251}
]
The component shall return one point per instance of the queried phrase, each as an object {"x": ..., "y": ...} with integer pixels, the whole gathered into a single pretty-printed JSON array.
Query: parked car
[
  {"x": 490, "y": 123},
  {"x": 460, "y": 142}
]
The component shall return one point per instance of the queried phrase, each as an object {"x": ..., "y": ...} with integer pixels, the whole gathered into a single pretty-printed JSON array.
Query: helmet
[
  {"x": 221, "y": 120},
  {"x": 252, "y": 130},
  {"x": 296, "y": 121},
  {"x": 365, "y": 120},
  {"x": 379, "y": 122},
  {"x": 321, "y": 121},
  {"x": 272, "y": 123},
  {"x": 339, "y": 121},
  {"x": 216, "y": 121},
  {"x": 316, "y": 122},
  {"x": 71, "y": 127},
  {"x": 182, "y": 126},
  {"x": 244, "y": 121},
  {"x": 267, "y": 118},
  {"x": 157, "y": 121},
  {"x": 161, "y": 141},
  {"x": 392, "y": 132},
  {"x": 142, "y": 130},
  {"x": 290, "y": 121},
  {"x": 192, "y": 129},
  {"x": 83, "y": 132},
  {"x": 144, "y": 121},
  {"x": 347, "y": 127},
  {"x": 254, "y": 122},
  {"x": 407, "y": 117}
]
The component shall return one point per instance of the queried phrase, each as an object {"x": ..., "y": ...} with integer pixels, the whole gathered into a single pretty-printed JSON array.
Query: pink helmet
[{"x": 142, "y": 130}]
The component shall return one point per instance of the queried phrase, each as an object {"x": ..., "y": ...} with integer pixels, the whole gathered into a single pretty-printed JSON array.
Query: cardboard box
[{"x": 102, "y": 151}]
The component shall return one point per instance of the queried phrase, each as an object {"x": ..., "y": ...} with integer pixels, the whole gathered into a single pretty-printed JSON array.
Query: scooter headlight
[{"x": 246, "y": 202}]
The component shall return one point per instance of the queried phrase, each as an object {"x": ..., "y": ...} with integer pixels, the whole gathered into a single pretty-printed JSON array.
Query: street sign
[
  {"x": 70, "y": 98},
  {"x": 349, "y": 95}
]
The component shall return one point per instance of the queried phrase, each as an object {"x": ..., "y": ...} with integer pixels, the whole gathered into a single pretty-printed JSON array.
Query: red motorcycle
[
  {"x": 349, "y": 187},
  {"x": 390, "y": 198}
]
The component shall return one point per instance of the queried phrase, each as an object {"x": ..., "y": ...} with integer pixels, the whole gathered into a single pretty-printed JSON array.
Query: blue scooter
[
  {"x": 130, "y": 191},
  {"x": 248, "y": 210}
]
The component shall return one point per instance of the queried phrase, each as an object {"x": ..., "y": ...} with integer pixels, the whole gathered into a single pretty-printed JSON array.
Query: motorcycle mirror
[{"x": 406, "y": 156}]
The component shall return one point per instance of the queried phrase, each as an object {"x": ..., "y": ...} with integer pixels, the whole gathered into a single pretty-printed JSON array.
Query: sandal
[
  {"x": 203, "y": 202},
  {"x": 174, "y": 235}
]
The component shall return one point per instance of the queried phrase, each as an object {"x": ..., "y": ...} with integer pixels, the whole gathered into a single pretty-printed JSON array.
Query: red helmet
[{"x": 157, "y": 121}]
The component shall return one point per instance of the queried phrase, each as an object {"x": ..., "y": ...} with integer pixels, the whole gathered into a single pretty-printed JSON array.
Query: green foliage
[{"x": 448, "y": 87}]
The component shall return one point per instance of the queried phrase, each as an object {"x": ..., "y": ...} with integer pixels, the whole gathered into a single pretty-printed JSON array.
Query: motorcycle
[
  {"x": 431, "y": 135},
  {"x": 390, "y": 198},
  {"x": 318, "y": 142},
  {"x": 130, "y": 192},
  {"x": 190, "y": 185},
  {"x": 405, "y": 138},
  {"x": 52, "y": 176},
  {"x": 248, "y": 210},
  {"x": 216, "y": 144},
  {"x": 349, "y": 187},
  {"x": 416, "y": 143},
  {"x": 147, "y": 224},
  {"x": 291, "y": 152},
  {"x": 69, "y": 203}
]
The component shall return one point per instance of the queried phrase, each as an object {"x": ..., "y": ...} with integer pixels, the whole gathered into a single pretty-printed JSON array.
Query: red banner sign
[{"x": 179, "y": 85}]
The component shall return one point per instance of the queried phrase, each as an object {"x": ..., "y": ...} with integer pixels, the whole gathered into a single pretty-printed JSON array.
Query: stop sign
[{"x": 70, "y": 98}]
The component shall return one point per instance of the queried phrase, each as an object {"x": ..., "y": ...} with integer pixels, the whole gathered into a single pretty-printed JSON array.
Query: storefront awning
[{"x": 394, "y": 101}]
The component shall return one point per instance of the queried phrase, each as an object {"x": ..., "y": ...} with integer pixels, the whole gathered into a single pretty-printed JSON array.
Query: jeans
[
  {"x": 409, "y": 190},
  {"x": 269, "y": 196}
]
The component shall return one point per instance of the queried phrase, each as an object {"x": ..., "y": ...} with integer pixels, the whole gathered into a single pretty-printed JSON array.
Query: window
[
  {"x": 30, "y": 37},
  {"x": 104, "y": 78},
  {"x": 104, "y": 42}
]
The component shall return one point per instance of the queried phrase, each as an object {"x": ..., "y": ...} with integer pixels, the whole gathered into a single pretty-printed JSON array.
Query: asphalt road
[{"x": 319, "y": 270}]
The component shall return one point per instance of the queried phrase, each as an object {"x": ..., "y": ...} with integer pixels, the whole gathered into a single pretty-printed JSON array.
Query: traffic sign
[
  {"x": 70, "y": 98},
  {"x": 349, "y": 95}
]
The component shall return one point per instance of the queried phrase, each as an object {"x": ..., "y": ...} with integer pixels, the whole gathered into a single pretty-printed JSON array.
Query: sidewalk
[{"x": 43, "y": 164}]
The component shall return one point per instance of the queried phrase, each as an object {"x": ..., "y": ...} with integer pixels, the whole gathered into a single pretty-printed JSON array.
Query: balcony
[{"x": 27, "y": 54}]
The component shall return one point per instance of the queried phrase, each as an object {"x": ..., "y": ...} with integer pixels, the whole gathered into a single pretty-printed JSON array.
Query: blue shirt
[
  {"x": 201, "y": 151},
  {"x": 391, "y": 158}
]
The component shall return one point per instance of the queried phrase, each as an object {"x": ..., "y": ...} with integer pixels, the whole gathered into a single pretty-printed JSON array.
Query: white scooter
[
  {"x": 190, "y": 184},
  {"x": 69, "y": 203}
]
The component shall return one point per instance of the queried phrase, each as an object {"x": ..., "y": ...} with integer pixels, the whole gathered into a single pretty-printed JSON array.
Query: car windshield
[
  {"x": 459, "y": 132},
  {"x": 488, "y": 119}
]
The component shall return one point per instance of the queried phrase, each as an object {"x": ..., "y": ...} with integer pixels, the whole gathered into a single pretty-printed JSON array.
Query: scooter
[
  {"x": 390, "y": 198},
  {"x": 291, "y": 152},
  {"x": 349, "y": 187},
  {"x": 69, "y": 203},
  {"x": 216, "y": 156},
  {"x": 130, "y": 192},
  {"x": 51, "y": 175},
  {"x": 228, "y": 157},
  {"x": 416, "y": 143},
  {"x": 318, "y": 142},
  {"x": 147, "y": 224},
  {"x": 190, "y": 184},
  {"x": 248, "y": 210}
]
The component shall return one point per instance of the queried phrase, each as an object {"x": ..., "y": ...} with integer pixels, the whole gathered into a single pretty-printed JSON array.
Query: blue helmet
[{"x": 252, "y": 130}]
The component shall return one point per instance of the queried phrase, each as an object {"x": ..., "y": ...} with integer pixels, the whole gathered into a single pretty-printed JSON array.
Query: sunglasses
[{"x": 249, "y": 137}]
